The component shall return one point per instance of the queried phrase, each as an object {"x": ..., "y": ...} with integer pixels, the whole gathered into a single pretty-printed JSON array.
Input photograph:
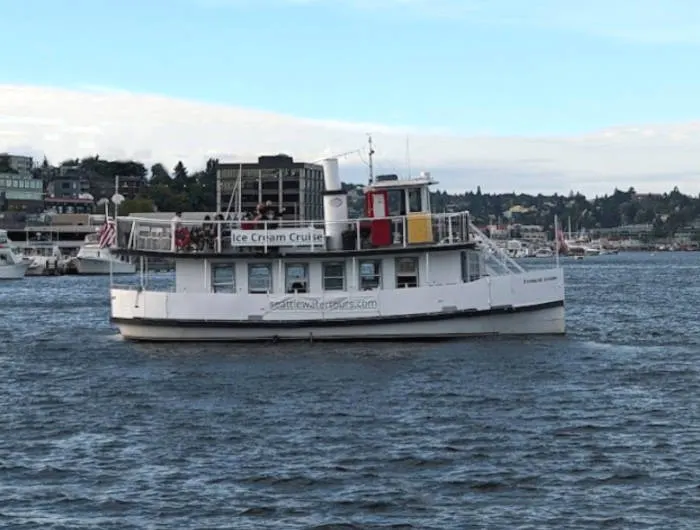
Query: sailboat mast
[
  {"x": 371, "y": 160},
  {"x": 408, "y": 158}
]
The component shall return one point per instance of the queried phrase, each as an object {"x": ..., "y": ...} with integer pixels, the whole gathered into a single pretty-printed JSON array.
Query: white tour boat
[
  {"x": 419, "y": 275},
  {"x": 96, "y": 257},
  {"x": 12, "y": 266}
]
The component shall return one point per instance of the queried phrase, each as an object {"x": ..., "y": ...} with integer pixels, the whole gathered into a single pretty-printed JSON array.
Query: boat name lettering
[
  {"x": 344, "y": 303},
  {"x": 279, "y": 237},
  {"x": 540, "y": 280}
]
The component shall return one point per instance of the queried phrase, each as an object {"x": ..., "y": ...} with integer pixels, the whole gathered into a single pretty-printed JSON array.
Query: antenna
[
  {"x": 339, "y": 155},
  {"x": 371, "y": 162},
  {"x": 408, "y": 159}
]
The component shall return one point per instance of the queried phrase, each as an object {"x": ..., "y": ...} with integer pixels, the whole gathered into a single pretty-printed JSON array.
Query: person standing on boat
[{"x": 209, "y": 235}]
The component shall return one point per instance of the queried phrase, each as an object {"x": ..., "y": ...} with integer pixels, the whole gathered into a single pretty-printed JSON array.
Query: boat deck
[{"x": 248, "y": 239}]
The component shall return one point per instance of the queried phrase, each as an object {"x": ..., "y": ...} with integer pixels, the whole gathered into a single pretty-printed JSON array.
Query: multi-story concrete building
[
  {"x": 68, "y": 182},
  {"x": 23, "y": 165},
  {"x": 295, "y": 186},
  {"x": 19, "y": 190}
]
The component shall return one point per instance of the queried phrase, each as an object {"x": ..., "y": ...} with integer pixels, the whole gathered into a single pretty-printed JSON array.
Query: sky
[{"x": 510, "y": 95}]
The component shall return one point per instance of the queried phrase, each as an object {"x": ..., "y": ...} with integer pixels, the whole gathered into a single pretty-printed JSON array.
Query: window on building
[
  {"x": 259, "y": 278},
  {"x": 223, "y": 278},
  {"x": 334, "y": 276},
  {"x": 406, "y": 272},
  {"x": 297, "y": 278},
  {"x": 370, "y": 274},
  {"x": 471, "y": 266}
]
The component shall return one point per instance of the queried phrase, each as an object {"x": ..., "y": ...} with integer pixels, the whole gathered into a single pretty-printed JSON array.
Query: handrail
[
  {"x": 293, "y": 223},
  {"x": 505, "y": 261}
]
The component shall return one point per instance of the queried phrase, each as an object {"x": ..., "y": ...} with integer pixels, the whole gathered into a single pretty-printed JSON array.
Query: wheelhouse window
[
  {"x": 370, "y": 275},
  {"x": 297, "y": 278},
  {"x": 471, "y": 266},
  {"x": 259, "y": 278},
  {"x": 334, "y": 276},
  {"x": 415, "y": 202},
  {"x": 223, "y": 278},
  {"x": 406, "y": 272}
]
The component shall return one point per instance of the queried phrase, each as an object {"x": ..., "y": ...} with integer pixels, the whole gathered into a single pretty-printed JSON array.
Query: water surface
[{"x": 598, "y": 429}]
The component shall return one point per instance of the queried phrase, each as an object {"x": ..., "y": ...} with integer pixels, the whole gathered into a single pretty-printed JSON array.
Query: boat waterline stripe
[{"x": 360, "y": 321}]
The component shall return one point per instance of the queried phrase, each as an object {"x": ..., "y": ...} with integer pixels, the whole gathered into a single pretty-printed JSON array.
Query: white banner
[
  {"x": 325, "y": 304},
  {"x": 279, "y": 237}
]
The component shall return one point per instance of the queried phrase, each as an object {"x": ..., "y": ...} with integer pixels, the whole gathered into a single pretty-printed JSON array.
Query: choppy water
[{"x": 600, "y": 429}]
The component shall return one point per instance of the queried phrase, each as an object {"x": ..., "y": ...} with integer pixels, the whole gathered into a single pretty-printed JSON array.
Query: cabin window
[
  {"x": 471, "y": 266},
  {"x": 297, "y": 278},
  {"x": 259, "y": 278},
  {"x": 406, "y": 272},
  {"x": 414, "y": 200},
  {"x": 334, "y": 276},
  {"x": 370, "y": 275},
  {"x": 223, "y": 278}
]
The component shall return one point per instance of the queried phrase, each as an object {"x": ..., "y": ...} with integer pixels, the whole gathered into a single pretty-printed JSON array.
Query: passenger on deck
[
  {"x": 208, "y": 233},
  {"x": 175, "y": 223},
  {"x": 259, "y": 212}
]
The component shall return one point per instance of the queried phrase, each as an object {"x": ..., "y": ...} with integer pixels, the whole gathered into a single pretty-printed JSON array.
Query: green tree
[
  {"x": 180, "y": 177},
  {"x": 159, "y": 175},
  {"x": 136, "y": 205}
]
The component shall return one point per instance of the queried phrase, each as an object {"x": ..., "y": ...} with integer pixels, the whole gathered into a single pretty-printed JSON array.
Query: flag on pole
[{"x": 107, "y": 233}]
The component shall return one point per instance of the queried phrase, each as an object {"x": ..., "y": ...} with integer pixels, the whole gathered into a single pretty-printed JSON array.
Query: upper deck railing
[{"x": 239, "y": 236}]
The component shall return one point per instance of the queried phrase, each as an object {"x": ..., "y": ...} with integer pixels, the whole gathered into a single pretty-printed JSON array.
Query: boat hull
[
  {"x": 96, "y": 266},
  {"x": 542, "y": 319},
  {"x": 15, "y": 271}
]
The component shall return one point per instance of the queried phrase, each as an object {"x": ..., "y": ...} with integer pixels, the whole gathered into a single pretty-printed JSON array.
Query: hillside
[{"x": 181, "y": 189}]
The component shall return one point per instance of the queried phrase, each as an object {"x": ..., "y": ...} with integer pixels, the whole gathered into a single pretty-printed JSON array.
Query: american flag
[{"x": 108, "y": 234}]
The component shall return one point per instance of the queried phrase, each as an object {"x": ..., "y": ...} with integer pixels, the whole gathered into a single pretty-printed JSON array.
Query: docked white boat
[
  {"x": 45, "y": 258},
  {"x": 414, "y": 276},
  {"x": 12, "y": 266},
  {"x": 95, "y": 256},
  {"x": 543, "y": 252}
]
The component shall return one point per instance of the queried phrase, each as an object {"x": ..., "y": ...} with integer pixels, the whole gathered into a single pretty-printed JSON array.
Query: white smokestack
[
  {"x": 335, "y": 204},
  {"x": 331, "y": 175}
]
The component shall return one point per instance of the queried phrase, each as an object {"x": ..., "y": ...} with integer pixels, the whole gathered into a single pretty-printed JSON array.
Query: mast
[
  {"x": 115, "y": 199},
  {"x": 408, "y": 158},
  {"x": 371, "y": 162},
  {"x": 218, "y": 190},
  {"x": 557, "y": 247}
]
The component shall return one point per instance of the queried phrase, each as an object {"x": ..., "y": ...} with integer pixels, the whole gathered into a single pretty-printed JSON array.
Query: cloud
[{"x": 76, "y": 123}]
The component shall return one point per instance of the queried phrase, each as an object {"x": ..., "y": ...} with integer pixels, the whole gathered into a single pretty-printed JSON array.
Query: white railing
[
  {"x": 496, "y": 254},
  {"x": 231, "y": 236}
]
